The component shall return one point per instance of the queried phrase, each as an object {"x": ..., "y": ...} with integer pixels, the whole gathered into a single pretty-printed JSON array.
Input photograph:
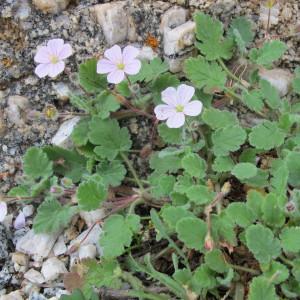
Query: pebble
[
  {"x": 15, "y": 295},
  {"x": 23, "y": 10},
  {"x": 28, "y": 210},
  {"x": 264, "y": 15},
  {"x": 87, "y": 251},
  {"x": 172, "y": 18},
  {"x": 51, "y": 6},
  {"x": 20, "y": 258},
  {"x": 52, "y": 268},
  {"x": 34, "y": 276},
  {"x": 147, "y": 53},
  {"x": 16, "y": 106},
  {"x": 6, "y": 274},
  {"x": 60, "y": 246},
  {"x": 3, "y": 242},
  {"x": 90, "y": 217},
  {"x": 62, "y": 91}
]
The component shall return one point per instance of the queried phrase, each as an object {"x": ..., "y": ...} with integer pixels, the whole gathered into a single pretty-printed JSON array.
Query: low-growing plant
[{"x": 217, "y": 214}]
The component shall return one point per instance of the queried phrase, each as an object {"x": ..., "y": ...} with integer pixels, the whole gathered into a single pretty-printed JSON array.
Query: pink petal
[
  {"x": 65, "y": 52},
  {"x": 133, "y": 67},
  {"x": 3, "y": 211},
  {"x": 164, "y": 111},
  {"x": 169, "y": 96},
  {"x": 114, "y": 54},
  {"x": 55, "y": 46},
  {"x": 20, "y": 221},
  {"x": 42, "y": 70},
  {"x": 105, "y": 66},
  {"x": 176, "y": 120},
  {"x": 55, "y": 69},
  {"x": 116, "y": 76},
  {"x": 193, "y": 108},
  {"x": 129, "y": 54},
  {"x": 42, "y": 55},
  {"x": 184, "y": 93}
]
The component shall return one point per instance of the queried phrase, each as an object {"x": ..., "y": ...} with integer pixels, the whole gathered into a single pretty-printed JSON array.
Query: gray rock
[
  {"x": 87, "y": 251},
  {"x": 172, "y": 18},
  {"x": 52, "y": 268},
  {"x": 6, "y": 274},
  {"x": 62, "y": 91},
  {"x": 264, "y": 15},
  {"x": 16, "y": 106},
  {"x": 28, "y": 210},
  {"x": 60, "y": 246},
  {"x": 36, "y": 296},
  {"x": 23, "y": 10},
  {"x": 15, "y": 295},
  {"x": 51, "y": 6},
  {"x": 3, "y": 242},
  {"x": 34, "y": 276},
  {"x": 90, "y": 217}
]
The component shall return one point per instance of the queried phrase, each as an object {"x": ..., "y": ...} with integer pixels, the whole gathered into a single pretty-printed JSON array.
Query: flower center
[
  {"x": 120, "y": 66},
  {"x": 54, "y": 59},
  {"x": 179, "y": 108}
]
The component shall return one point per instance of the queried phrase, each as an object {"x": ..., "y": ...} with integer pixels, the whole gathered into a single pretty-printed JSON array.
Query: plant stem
[
  {"x": 133, "y": 172},
  {"x": 245, "y": 269},
  {"x": 133, "y": 206},
  {"x": 286, "y": 261}
]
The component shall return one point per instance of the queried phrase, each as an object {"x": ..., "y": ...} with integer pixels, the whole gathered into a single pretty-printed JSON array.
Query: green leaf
[
  {"x": 172, "y": 215},
  {"x": 170, "y": 135},
  {"x": 296, "y": 81},
  {"x": 255, "y": 201},
  {"x": 89, "y": 79},
  {"x": 261, "y": 242},
  {"x": 241, "y": 30},
  {"x": 216, "y": 118},
  {"x": 216, "y": 261},
  {"x": 260, "y": 288},
  {"x": 167, "y": 164},
  {"x": 279, "y": 179},
  {"x": 52, "y": 216},
  {"x": 200, "y": 194},
  {"x": 203, "y": 74},
  {"x": 184, "y": 182},
  {"x": 204, "y": 278},
  {"x": 194, "y": 165},
  {"x": 210, "y": 32},
  {"x": 223, "y": 164},
  {"x": 161, "y": 185},
  {"x": 244, "y": 170},
  {"x": 253, "y": 100},
  {"x": 266, "y": 136},
  {"x": 293, "y": 164},
  {"x": 281, "y": 271},
  {"x": 290, "y": 240},
  {"x": 228, "y": 139},
  {"x": 240, "y": 214},
  {"x": 192, "y": 232},
  {"x": 272, "y": 212},
  {"x": 150, "y": 70},
  {"x": 76, "y": 295},
  {"x": 82, "y": 103},
  {"x": 90, "y": 194},
  {"x": 117, "y": 234},
  {"x": 270, "y": 93},
  {"x": 261, "y": 180},
  {"x": 106, "y": 103},
  {"x": 109, "y": 138},
  {"x": 80, "y": 132},
  {"x": 112, "y": 173},
  {"x": 36, "y": 163},
  {"x": 268, "y": 53}
]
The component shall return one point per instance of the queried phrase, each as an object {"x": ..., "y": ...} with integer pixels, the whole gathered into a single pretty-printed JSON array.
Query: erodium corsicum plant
[{"x": 217, "y": 215}]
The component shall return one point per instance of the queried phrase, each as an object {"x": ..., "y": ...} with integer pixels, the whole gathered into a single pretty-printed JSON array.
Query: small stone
[
  {"x": 3, "y": 242},
  {"x": 87, "y": 251},
  {"x": 175, "y": 64},
  {"x": 114, "y": 21},
  {"x": 60, "y": 246},
  {"x": 34, "y": 276},
  {"x": 52, "y": 268},
  {"x": 62, "y": 138},
  {"x": 28, "y": 210},
  {"x": 172, "y": 18},
  {"x": 15, "y": 295},
  {"x": 62, "y": 91},
  {"x": 5, "y": 274},
  {"x": 93, "y": 216},
  {"x": 38, "y": 245},
  {"x": 23, "y": 10},
  {"x": 279, "y": 78},
  {"x": 51, "y": 6},
  {"x": 16, "y": 106},
  {"x": 147, "y": 53},
  {"x": 264, "y": 15},
  {"x": 20, "y": 258}
]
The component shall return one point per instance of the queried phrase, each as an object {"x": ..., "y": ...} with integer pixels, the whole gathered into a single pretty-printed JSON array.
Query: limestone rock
[
  {"x": 87, "y": 251},
  {"x": 60, "y": 246},
  {"x": 52, "y": 268},
  {"x": 62, "y": 91},
  {"x": 20, "y": 258},
  {"x": 279, "y": 78},
  {"x": 147, "y": 53},
  {"x": 34, "y": 276},
  {"x": 62, "y": 138},
  {"x": 51, "y": 6},
  {"x": 38, "y": 245},
  {"x": 264, "y": 15},
  {"x": 90, "y": 217},
  {"x": 16, "y": 106},
  {"x": 172, "y": 18},
  {"x": 15, "y": 295}
]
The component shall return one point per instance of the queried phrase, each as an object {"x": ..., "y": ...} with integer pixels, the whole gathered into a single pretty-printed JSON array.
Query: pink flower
[
  {"x": 50, "y": 58},
  {"x": 3, "y": 211},
  {"x": 116, "y": 64},
  {"x": 20, "y": 221},
  {"x": 177, "y": 105}
]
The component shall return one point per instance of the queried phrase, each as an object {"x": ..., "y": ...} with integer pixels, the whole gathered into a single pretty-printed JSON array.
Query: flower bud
[
  {"x": 226, "y": 188},
  {"x": 50, "y": 112},
  {"x": 66, "y": 182},
  {"x": 209, "y": 242},
  {"x": 57, "y": 190},
  {"x": 290, "y": 207}
]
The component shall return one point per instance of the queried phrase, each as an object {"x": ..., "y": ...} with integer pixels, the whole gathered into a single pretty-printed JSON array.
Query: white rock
[
  {"x": 16, "y": 295},
  {"x": 147, "y": 53},
  {"x": 114, "y": 21},
  {"x": 28, "y": 210},
  {"x": 62, "y": 138},
  {"x": 175, "y": 64},
  {"x": 90, "y": 217},
  {"x": 16, "y": 105},
  {"x": 20, "y": 258},
  {"x": 38, "y": 245},
  {"x": 264, "y": 15},
  {"x": 61, "y": 90},
  {"x": 87, "y": 251},
  {"x": 51, "y": 6},
  {"x": 172, "y": 18},
  {"x": 60, "y": 246},
  {"x": 23, "y": 10},
  {"x": 34, "y": 276},
  {"x": 52, "y": 268},
  {"x": 177, "y": 39},
  {"x": 279, "y": 78}
]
